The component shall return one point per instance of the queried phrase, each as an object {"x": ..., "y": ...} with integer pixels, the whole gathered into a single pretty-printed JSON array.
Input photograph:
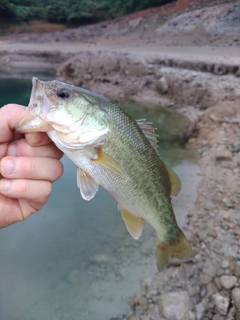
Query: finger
[
  {"x": 37, "y": 139},
  {"x": 9, "y": 116},
  {"x": 22, "y": 148},
  {"x": 3, "y": 149},
  {"x": 31, "y": 190},
  {"x": 34, "y": 168},
  {"x": 10, "y": 211}
]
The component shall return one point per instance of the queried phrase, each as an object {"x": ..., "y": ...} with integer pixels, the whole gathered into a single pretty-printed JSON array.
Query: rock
[
  {"x": 203, "y": 292},
  {"x": 209, "y": 205},
  {"x": 233, "y": 314},
  {"x": 223, "y": 154},
  {"x": 174, "y": 305},
  {"x": 142, "y": 301},
  {"x": 220, "y": 272},
  {"x": 146, "y": 283},
  {"x": 236, "y": 297},
  {"x": 162, "y": 85},
  {"x": 205, "y": 278},
  {"x": 151, "y": 293},
  {"x": 212, "y": 233},
  {"x": 224, "y": 264},
  {"x": 218, "y": 317},
  {"x": 87, "y": 76},
  {"x": 211, "y": 289},
  {"x": 194, "y": 290},
  {"x": 220, "y": 69},
  {"x": 221, "y": 303},
  {"x": 199, "y": 310},
  {"x": 237, "y": 271},
  {"x": 189, "y": 316},
  {"x": 228, "y": 203},
  {"x": 217, "y": 283},
  {"x": 228, "y": 282}
]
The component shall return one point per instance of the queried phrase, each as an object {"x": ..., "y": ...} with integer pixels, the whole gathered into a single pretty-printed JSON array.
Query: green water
[{"x": 75, "y": 259}]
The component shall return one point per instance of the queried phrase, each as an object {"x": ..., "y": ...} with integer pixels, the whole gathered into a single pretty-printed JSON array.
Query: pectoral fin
[
  {"x": 108, "y": 162},
  {"x": 88, "y": 187},
  {"x": 174, "y": 180},
  {"x": 133, "y": 224}
]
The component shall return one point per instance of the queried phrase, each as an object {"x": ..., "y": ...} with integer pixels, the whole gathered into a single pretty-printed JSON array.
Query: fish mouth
[
  {"x": 37, "y": 89},
  {"x": 33, "y": 121}
]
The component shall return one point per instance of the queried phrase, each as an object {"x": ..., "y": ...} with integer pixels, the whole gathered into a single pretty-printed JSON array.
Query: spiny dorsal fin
[
  {"x": 176, "y": 184},
  {"x": 148, "y": 131}
]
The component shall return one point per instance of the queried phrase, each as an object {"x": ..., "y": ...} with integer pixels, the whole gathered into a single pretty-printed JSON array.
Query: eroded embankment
[{"x": 155, "y": 79}]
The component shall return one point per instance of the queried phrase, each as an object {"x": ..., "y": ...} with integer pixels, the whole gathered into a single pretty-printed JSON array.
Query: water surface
[{"x": 75, "y": 259}]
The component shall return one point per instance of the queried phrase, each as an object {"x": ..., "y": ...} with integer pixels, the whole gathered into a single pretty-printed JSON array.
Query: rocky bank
[
  {"x": 207, "y": 288},
  {"x": 186, "y": 59}
]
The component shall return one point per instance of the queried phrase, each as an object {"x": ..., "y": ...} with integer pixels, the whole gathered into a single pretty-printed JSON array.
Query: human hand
[{"x": 28, "y": 166}]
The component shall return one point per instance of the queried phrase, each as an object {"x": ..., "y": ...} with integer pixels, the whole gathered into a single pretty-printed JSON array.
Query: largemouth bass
[{"x": 112, "y": 150}]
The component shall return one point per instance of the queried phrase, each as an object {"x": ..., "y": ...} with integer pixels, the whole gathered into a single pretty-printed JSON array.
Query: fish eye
[{"x": 63, "y": 93}]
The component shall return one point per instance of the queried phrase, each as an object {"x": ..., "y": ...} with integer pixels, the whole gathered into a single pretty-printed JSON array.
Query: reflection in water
[{"x": 75, "y": 259}]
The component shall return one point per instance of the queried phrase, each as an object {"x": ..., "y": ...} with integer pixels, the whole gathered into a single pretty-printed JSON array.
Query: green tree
[
  {"x": 80, "y": 11},
  {"x": 21, "y": 9},
  {"x": 6, "y": 9}
]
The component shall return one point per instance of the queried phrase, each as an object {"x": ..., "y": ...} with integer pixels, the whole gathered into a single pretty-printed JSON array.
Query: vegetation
[{"x": 72, "y": 11}]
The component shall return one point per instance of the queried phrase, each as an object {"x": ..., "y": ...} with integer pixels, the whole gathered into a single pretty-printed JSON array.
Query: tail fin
[{"x": 179, "y": 250}]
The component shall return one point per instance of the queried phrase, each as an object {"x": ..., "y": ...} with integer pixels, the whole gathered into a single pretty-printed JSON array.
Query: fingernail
[
  {"x": 12, "y": 150},
  {"x": 7, "y": 166},
  {"x": 5, "y": 185}
]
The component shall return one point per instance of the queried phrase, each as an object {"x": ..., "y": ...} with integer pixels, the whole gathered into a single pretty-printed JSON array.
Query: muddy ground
[{"x": 185, "y": 56}]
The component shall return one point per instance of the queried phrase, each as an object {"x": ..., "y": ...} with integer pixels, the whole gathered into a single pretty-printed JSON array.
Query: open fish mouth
[
  {"x": 31, "y": 123},
  {"x": 37, "y": 89},
  {"x": 38, "y": 107}
]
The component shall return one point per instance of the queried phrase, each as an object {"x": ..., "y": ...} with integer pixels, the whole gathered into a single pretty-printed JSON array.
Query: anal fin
[
  {"x": 133, "y": 224},
  {"x": 88, "y": 187}
]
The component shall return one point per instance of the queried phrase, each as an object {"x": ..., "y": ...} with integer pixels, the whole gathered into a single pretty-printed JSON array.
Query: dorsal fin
[
  {"x": 176, "y": 184},
  {"x": 148, "y": 131}
]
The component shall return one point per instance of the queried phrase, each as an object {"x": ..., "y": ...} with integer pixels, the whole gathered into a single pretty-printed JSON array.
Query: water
[{"x": 75, "y": 259}]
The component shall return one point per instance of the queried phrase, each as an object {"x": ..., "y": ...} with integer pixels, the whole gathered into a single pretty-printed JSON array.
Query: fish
[{"x": 116, "y": 152}]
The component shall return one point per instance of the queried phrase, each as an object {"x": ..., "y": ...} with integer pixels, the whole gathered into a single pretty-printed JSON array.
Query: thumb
[{"x": 37, "y": 139}]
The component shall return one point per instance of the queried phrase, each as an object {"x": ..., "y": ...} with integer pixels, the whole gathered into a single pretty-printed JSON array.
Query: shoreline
[
  {"x": 201, "y": 82},
  {"x": 214, "y": 224}
]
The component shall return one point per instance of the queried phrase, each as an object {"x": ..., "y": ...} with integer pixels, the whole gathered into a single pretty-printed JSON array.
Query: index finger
[{"x": 9, "y": 116}]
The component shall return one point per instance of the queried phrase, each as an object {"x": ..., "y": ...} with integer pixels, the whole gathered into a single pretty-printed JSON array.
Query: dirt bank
[
  {"x": 189, "y": 61},
  {"x": 209, "y": 287}
]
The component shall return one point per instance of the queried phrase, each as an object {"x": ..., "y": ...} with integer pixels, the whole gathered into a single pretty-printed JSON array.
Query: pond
[{"x": 75, "y": 259}]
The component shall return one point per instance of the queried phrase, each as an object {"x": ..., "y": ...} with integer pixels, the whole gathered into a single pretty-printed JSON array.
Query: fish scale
[{"x": 112, "y": 150}]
